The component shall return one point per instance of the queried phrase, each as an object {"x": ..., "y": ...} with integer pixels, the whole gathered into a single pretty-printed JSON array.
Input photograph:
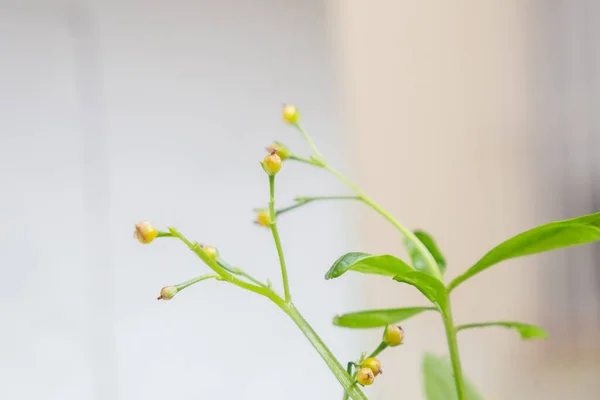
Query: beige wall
[{"x": 439, "y": 106}]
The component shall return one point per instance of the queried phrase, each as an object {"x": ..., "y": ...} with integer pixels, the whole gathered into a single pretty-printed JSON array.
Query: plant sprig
[{"x": 444, "y": 379}]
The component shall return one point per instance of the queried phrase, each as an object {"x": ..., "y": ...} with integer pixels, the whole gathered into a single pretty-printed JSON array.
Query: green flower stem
[
  {"x": 222, "y": 272},
  {"x": 301, "y": 159},
  {"x": 336, "y": 368},
  {"x": 453, "y": 348},
  {"x": 197, "y": 279},
  {"x": 382, "y": 346},
  {"x": 275, "y": 232},
  {"x": 226, "y": 266},
  {"x": 312, "y": 144},
  {"x": 315, "y": 198},
  {"x": 301, "y": 201},
  {"x": 238, "y": 271}
]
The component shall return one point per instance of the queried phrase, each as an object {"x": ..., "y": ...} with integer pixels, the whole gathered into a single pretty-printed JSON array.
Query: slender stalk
[
  {"x": 453, "y": 349},
  {"x": 223, "y": 273},
  {"x": 349, "y": 369},
  {"x": 382, "y": 346},
  {"x": 301, "y": 201},
  {"x": 301, "y": 159},
  {"x": 222, "y": 263},
  {"x": 334, "y": 365},
  {"x": 197, "y": 279},
  {"x": 286, "y": 305},
  {"x": 275, "y": 232},
  {"x": 238, "y": 271},
  {"x": 312, "y": 144},
  {"x": 315, "y": 198}
]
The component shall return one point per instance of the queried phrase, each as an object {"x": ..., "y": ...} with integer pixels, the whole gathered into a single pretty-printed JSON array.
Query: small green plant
[{"x": 444, "y": 379}]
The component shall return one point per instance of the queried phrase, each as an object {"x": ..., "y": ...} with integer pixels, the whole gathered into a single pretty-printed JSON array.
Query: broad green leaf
[
  {"x": 527, "y": 331},
  {"x": 430, "y": 286},
  {"x": 377, "y": 318},
  {"x": 554, "y": 235},
  {"x": 367, "y": 264},
  {"x": 417, "y": 258},
  {"x": 439, "y": 383}
]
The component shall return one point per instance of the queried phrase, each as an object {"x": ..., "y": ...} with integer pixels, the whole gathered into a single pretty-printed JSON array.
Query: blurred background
[{"x": 473, "y": 120}]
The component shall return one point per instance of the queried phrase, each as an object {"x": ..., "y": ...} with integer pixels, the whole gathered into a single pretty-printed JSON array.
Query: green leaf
[
  {"x": 430, "y": 286},
  {"x": 367, "y": 264},
  {"x": 417, "y": 258},
  {"x": 527, "y": 331},
  {"x": 377, "y": 318},
  {"x": 439, "y": 380},
  {"x": 554, "y": 235}
]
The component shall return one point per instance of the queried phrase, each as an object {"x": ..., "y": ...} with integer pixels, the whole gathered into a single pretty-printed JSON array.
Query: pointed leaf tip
[{"x": 386, "y": 265}]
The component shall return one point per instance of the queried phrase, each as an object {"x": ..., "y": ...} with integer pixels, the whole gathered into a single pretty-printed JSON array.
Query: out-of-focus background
[{"x": 474, "y": 120}]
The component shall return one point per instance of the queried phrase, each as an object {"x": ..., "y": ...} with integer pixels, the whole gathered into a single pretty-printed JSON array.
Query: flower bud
[
  {"x": 263, "y": 218},
  {"x": 393, "y": 335},
  {"x": 290, "y": 114},
  {"x": 167, "y": 293},
  {"x": 373, "y": 364},
  {"x": 145, "y": 232},
  {"x": 211, "y": 251},
  {"x": 365, "y": 377},
  {"x": 272, "y": 164},
  {"x": 281, "y": 150}
]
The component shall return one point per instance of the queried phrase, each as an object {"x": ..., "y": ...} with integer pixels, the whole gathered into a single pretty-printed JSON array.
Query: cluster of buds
[
  {"x": 393, "y": 336},
  {"x": 369, "y": 369}
]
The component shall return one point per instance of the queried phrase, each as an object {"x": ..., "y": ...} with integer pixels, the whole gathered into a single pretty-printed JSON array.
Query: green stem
[
  {"x": 223, "y": 273},
  {"x": 382, "y": 346},
  {"x": 454, "y": 354},
  {"x": 302, "y": 159},
  {"x": 197, "y": 279},
  {"x": 349, "y": 370},
  {"x": 312, "y": 144},
  {"x": 275, "y": 232},
  {"x": 288, "y": 307},
  {"x": 222, "y": 263},
  {"x": 238, "y": 271},
  {"x": 301, "y": 201},
  {"x": 336, "y": 368}
]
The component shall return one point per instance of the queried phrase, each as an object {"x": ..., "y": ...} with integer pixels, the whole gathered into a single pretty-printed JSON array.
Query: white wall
[{"x": 120, "y": 111}]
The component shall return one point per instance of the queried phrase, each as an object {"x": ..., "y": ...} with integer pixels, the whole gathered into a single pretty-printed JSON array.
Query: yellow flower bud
[
  {"x": 282, "y": 151},
  {"x": 167, "y": 293},
  {"x": 211, "y": 251},
  {"x": 393, "y": 335},
  {"x": 145, "y": 232},
  {"x": 365, "y": 377},
  {"x": 290, "y": 114},
  {"x": 373, "y": 364},
  {"x": 263, "y": 218},
  {"x": 272, "y": 164}
]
